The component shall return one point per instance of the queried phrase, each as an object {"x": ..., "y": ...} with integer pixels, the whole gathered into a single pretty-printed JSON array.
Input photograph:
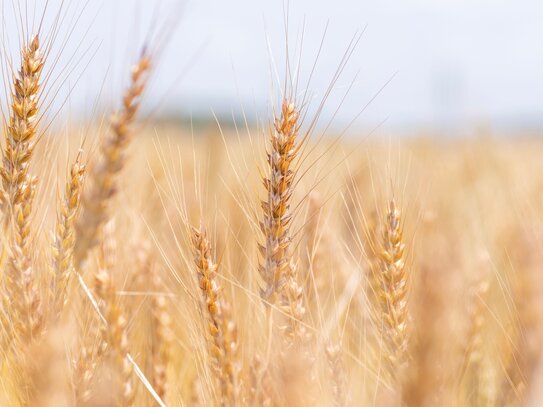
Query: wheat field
[{"x": 263, "y": 264}]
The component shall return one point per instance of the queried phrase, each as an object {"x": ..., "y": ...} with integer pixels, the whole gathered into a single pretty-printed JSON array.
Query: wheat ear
[
  {"x": 275, "y": 226},
  {"x": 84, "y": 368},
  {"x": 278, "y": 268},
  {"x": 115, "y": 334},
  {"x": 473, "y": 367},
  {"x": 393, "y": 289},
  {"x": 22, "y": 129},
  {"x": 337, "y": 374},
  {"x": 222, "y": 328},
  {"x": 261, "y": 384},
  {"x": 162, "y": 337},
  {"x": 103, "y": 183},
  {"x": 19, "y": 189},
  {"x": 64, "y": 238}
]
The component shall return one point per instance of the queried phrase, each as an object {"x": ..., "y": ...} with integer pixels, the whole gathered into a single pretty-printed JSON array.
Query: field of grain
[{"x": 270, "y": 264}]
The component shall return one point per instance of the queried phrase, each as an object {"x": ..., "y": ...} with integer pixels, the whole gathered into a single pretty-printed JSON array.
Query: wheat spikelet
[
  {"x": 221, "y": 327},
  {"x": 64, "y": 238},
  {"x": 103, "y": 183}
]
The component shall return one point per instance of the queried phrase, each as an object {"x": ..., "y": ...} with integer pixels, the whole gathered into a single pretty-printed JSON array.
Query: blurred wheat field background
[{"x": 274, "y": 263}]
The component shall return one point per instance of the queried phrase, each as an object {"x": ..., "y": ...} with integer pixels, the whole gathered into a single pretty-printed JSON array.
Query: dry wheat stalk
[
  {"x": 21, "y": 295},
  {"x": 103, "y": 183},
  {"x": 393, "y": 289},
  {"x": 221, "y": 327},
  {"x": 64, "y": 238}
]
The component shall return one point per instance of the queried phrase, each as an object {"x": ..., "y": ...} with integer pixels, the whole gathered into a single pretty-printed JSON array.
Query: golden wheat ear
[
  {"x": 64, "y": 239},
  {"x": 21, "y": 294},
  {"x": 103, "y": 174},
  {"x": 393, "y": 288},
  {"x": 275, "y": 225},
  {"x": 115, "y": 333},
  {"x": 222, "y": 328},
  {"x": 278, "y": 268}
]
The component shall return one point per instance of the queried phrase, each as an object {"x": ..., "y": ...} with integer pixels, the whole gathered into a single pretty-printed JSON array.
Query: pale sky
[{"x": 462, "y": 62}]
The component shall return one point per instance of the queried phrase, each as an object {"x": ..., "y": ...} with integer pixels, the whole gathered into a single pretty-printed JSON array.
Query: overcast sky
[{"x": 462, "y": 61}]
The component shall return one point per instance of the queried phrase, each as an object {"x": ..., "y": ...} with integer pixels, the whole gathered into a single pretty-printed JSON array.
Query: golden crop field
[{"x": 270, "y": 264}]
